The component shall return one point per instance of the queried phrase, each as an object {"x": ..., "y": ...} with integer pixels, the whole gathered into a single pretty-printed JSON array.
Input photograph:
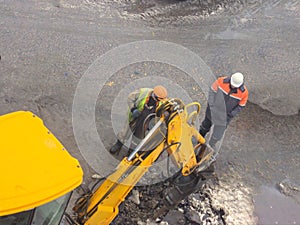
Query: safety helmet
[
  {"x": 237, "y": 79},
  {"x": 160, "y": 92}
]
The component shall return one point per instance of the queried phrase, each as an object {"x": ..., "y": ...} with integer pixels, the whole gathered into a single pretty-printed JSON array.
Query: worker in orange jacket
[
  {"x": 141, "y": 103},
  {"x": 227, "y": 97}
]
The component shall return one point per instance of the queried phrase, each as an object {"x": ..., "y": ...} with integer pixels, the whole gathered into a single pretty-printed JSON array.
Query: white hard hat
[{"x": 237, "y": 79}]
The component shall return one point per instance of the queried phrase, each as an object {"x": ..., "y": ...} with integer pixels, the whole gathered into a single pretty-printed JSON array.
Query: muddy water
[
  {"x": 272, "y": 207},
  {"x": 268, "y": 157}
]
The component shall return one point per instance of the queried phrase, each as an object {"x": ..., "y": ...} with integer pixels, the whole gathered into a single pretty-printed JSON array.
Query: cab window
[
  {"x": 52, "y": 212},
  {"x": 22, "y": 218}
]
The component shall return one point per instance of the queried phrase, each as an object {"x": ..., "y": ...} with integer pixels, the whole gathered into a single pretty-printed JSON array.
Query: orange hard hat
[{"x": 160, "y": 91}]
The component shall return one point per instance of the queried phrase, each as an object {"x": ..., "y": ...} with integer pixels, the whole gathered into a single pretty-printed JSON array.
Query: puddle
[{"x": 272, "y": 207}]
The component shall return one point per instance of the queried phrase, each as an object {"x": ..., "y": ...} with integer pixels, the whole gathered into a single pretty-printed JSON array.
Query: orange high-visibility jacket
[{"x": 235, "y": 98}]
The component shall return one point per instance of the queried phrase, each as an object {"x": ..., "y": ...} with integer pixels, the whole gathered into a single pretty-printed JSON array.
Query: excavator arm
[
  {"x": 102, "y": 206},
  {"x": 174, "y": 129}
]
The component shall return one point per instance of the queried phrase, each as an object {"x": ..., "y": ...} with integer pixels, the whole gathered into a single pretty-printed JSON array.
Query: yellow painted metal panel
[{"x": 35, "y": 167}]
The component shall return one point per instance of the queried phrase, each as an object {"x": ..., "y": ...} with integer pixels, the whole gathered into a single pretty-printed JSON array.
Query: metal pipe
[{"x": 140, "y": 145}]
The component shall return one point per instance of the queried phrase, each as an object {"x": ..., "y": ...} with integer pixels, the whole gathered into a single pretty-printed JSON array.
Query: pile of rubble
[{"x": 215, "y": 203}]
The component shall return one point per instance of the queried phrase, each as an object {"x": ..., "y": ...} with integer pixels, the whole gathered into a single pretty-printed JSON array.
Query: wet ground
[{"x": 47, "y": 46}]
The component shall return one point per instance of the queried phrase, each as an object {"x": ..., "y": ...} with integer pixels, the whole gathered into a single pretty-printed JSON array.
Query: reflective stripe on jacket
[
  {"x": 143, "y": 98},
  {"x": 138, "y": 99}
]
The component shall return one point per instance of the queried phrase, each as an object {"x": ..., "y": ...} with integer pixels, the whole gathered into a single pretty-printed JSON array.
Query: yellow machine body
[{"x": 35, "y": 167}]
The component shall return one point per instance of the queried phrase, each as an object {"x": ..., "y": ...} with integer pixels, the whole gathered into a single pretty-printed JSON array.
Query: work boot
[
  {"x": 210, "y": 168},
  {"x": 116, "y": 147},
  {"x": 209, "y": 172},
  {"x": 203, "y": 131},
  {"x": 212, "y": 142}
]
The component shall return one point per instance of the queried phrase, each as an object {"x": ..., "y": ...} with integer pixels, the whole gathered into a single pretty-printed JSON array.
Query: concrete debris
[
  {"x": 175, "y": 217},
  {"x": 135, "y": 197},
  {"x": 96, "y": 176},
  {"x": 194, "y": 216},
  {"x": 148, "y": 222}
]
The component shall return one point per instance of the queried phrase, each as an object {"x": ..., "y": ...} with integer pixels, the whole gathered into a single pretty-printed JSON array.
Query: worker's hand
[
  {"x": 136, "y": 113},
  {"x": 229, "y": 117}
]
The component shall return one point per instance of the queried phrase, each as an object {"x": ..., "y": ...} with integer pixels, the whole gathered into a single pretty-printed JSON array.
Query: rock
[
  {"x": 194, "y": 216},
  {"x": 175, "y": 217},
  {"x": 96, "y": 176},
  {"x": 135, "y": 197},
  {"x": 288, "y": 188}
]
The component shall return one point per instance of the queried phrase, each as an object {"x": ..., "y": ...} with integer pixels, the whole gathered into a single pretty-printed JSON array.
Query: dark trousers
[{"x": 218, "y": 130}]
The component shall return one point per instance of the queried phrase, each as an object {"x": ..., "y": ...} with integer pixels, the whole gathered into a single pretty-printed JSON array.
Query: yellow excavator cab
[{"x": 37, "y": 173}]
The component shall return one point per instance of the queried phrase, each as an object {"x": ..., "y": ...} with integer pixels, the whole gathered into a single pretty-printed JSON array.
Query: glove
[
  {"x": 229, "y": 118},
  {"x": 229, "y": 115},
  {"x": 136, "y": 113}
]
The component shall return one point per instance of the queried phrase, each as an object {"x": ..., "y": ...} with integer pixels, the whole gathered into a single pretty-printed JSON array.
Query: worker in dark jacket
[
  {"x": 141, "y": 103},
  {"x": 227, "y": 97}
]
